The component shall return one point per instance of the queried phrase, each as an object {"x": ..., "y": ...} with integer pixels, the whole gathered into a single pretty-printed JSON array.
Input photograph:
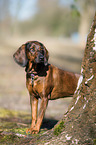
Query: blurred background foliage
[{"x": 46, "y": 17}]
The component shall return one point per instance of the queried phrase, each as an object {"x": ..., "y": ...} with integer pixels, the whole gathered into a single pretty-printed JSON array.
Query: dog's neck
[{"x": 36, "y": 69}]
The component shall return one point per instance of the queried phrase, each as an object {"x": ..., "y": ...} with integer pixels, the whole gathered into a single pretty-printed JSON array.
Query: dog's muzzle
[{"x": 39, "y": 58}]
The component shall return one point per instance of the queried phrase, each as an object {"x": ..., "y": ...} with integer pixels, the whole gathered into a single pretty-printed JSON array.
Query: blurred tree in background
[
  {"x": 5, "y": 17},
  {"x": 52, "y": 18},
  {"x": 87, "y": 10},
  {"x": 55, "y": 19}
]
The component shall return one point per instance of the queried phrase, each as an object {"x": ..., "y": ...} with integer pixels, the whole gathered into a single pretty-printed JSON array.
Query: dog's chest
[
  {"x": 37, "y": 81},
  {"x": 35, "y": 84}
]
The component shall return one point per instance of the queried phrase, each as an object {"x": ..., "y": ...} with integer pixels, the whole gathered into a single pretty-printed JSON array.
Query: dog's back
[{"x": 64, "y": 83}]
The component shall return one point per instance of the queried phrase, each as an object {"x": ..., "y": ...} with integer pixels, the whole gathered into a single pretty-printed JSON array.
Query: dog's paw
[
  {"x": 29, "y": 130},
  {"x": 35, "y": 131},
  {"x": 32, "y": 131}
]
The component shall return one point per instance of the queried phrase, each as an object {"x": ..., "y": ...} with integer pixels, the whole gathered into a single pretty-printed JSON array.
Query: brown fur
[{"x": 43, "y": 80}]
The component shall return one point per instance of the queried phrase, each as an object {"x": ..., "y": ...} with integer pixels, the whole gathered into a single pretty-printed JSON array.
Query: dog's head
[{"x": 32, "y": 51}]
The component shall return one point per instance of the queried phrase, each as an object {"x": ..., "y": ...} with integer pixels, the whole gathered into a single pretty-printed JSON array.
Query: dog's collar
[
  {"x": 32, "y": 79},
  {"x": 31, "y": 75}
]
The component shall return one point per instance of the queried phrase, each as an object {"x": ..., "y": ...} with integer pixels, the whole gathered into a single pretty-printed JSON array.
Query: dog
[{"x": 43, "y": 80}]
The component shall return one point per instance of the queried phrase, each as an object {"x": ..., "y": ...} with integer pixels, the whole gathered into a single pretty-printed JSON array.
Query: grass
[
  {"x": 13, "y": 125},
  {"x": 58, "y": 128}
]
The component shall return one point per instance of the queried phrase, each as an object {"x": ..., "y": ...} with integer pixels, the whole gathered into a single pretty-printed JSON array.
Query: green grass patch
[
  {"x": 5, "y": 113},
  {"x": 58, "y": 128},
  {"x": 13, "y": 126},
  {"x": 94, "y": 141}
]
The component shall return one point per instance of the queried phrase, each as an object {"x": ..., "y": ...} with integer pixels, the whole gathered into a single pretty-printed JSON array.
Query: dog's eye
[{"x": 32, "y": 49}]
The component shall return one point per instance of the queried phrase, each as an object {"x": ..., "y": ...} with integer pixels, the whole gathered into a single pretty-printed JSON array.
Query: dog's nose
[{"x": 41, "y": 57}]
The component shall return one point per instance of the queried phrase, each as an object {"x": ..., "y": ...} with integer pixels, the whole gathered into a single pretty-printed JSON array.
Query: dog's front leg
[
  {"x": 34, "y": 109},
  {"x": 42, "y": 110}
]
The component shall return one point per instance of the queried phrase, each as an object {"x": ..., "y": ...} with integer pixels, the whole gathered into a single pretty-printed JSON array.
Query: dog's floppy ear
[
  {"x": 20, "y": 56},
  {"x": 46, "y": 56}
]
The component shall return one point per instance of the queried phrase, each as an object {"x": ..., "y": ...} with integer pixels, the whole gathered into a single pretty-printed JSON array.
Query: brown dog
[{"x": 43, "y": 80}]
